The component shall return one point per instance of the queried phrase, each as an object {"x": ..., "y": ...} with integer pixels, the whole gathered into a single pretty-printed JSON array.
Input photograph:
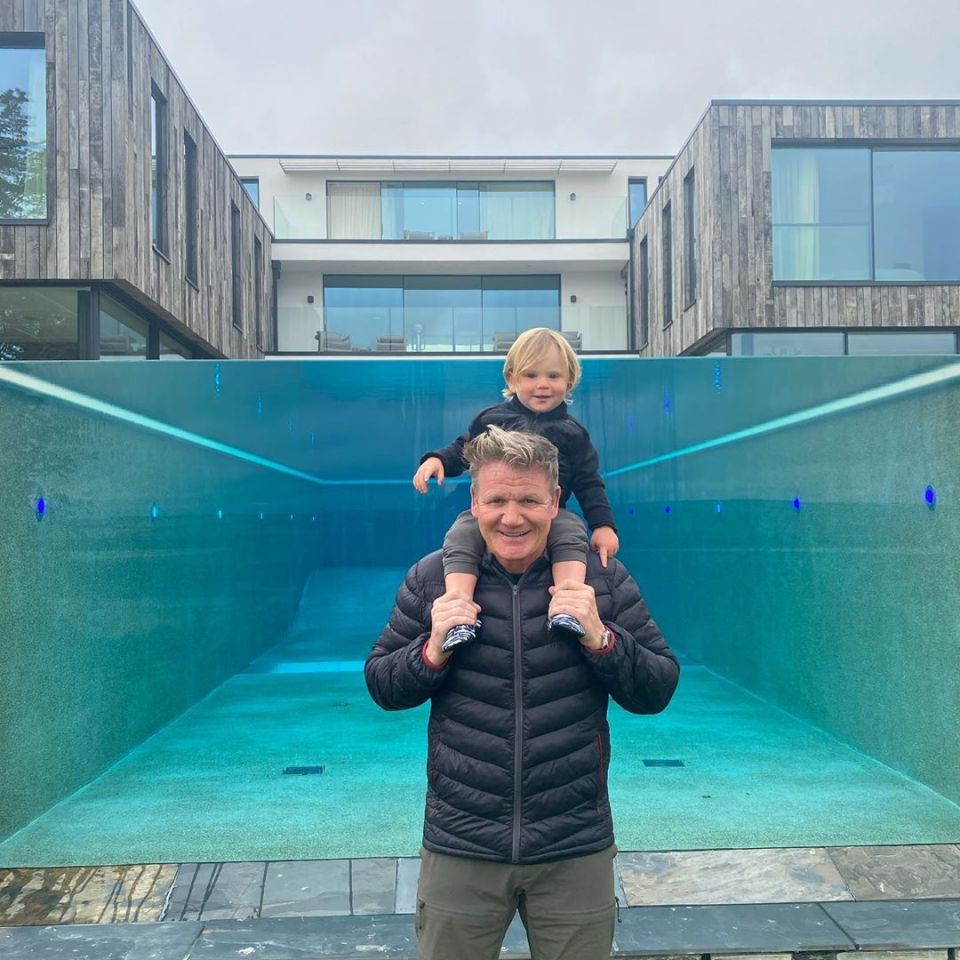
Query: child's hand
[
  {"x": 432, "y": 467},
  {"x": 606, "y": 542}
]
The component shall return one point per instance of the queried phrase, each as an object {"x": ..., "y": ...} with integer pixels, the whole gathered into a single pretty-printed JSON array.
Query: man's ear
[
  {"x": 555, "y": 506},
  {"x": 473, "y": 501}
]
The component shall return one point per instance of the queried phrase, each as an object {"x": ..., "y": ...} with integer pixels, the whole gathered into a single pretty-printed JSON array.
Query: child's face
[{"x": 543, "y": 386}]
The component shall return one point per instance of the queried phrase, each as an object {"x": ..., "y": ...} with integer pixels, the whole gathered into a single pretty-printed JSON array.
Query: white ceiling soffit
[{"x": 452, "y": 165}]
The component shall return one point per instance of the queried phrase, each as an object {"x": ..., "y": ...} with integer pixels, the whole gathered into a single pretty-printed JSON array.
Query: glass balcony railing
[
  {"x": 417, "y": 330},
  {"x": 307, "y": 216}
]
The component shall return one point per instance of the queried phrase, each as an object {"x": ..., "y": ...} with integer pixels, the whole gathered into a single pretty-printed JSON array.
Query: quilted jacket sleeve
[
  {"x": 588, "y": 487},
  {"x": 451, "y": 456},
  {"x": 641, "y": 671},
  {"x": 397, "y": 675}
]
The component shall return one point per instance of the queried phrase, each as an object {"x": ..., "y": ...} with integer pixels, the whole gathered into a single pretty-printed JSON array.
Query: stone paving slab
[
  {"x": 408, "y": 873},
  {"x": 899, "y": 925},
  {"x": 307, "y": 888},
  {"x": 217, "y": 891},
  {"x": 107, "y": 941},
  {"x": 738, "y": 928},
  {"x": 689, "y": 877},
  {"x": 909, "y": 872},
  {"x": 373, "y": 886},
  {"x": 307, "y": 938}
]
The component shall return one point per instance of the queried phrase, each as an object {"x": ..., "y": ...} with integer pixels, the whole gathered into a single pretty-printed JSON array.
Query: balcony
[
  {"x": 448, "y": 220},
  {"x": 461, "y": 330}
]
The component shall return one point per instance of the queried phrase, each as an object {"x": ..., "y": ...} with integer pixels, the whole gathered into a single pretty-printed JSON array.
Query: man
[{"x": 517, "y": 813}]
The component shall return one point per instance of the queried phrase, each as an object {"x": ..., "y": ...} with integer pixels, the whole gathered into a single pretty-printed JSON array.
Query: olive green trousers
[{"x": 464, "y": 907}]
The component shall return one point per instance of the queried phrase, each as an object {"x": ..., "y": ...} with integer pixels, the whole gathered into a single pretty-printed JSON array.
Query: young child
[{"x": 541, "y": 371}]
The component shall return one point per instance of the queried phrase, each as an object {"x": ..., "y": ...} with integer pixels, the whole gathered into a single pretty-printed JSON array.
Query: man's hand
[
  {"x": 606, "y": 542},
  {"x": 447, "y": 611},
  {"x": 580, "y": 601},
  {"x": 431, "y": 467}
]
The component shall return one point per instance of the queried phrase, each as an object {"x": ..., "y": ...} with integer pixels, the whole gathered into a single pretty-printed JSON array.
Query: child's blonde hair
[{"x": 529, "y": 349}]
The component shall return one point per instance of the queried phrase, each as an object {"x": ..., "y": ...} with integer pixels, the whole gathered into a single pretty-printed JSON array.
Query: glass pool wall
[{"x": 792, "y": 522}]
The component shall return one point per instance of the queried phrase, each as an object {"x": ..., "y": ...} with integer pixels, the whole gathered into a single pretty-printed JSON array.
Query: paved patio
[{"x": 824, "y": 900}]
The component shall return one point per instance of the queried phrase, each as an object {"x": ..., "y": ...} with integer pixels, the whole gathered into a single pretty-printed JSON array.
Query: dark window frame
[
  {"x": 236, "y": 285},
  {"x": 646, "y": 193},
  {"x": 244, "y": 181},
  {"x": 666, "y": 266},
  {"x": 31, "y": 40},
  {"x": 258, "y": 291},
  {"x": 191, "y": 212},
  {"x": 644, "y": 254},
  {"x": 159, "y": 232},
  {"x": 691, "y": 247}
]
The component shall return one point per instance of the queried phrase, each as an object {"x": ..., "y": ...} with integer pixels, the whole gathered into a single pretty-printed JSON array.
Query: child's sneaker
[
  {"x": 460, "y": 634},
  {"x": 563, "y": 623}
]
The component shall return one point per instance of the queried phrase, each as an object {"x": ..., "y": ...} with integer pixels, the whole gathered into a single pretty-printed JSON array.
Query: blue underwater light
[
  {"x": 259, "y": 406},
  {"x": 41, "y": 508},
  {"x": 668, "y": 509},
  {"x": 719, "y": 507},
  {"x": 930, "y": 496},
  {"x": 630, "y": 511},
  {"x": 797, "y": 503},
  {"x": 217, "y": 378},
  {"x": 154, "y": 511},
  {"x": 717, "y": 376},
  {"x": 220, "y": 514}
]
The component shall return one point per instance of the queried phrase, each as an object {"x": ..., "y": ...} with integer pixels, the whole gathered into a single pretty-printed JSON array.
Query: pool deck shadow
[{"x": 828, "y": 901}]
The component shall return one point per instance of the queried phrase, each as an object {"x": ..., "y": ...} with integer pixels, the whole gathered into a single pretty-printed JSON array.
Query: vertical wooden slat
[
  {"x": 82, "y": 210},
  {"x": 95, "y": 99}
]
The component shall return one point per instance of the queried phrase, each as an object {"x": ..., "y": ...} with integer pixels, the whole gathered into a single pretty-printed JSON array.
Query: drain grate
[
  {"x": 303, "y": 771},
  {"x": 662, "y": 762}
]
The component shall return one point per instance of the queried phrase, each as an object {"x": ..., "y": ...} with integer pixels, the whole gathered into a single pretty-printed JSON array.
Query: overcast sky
[{"x": 533, "y": 76}]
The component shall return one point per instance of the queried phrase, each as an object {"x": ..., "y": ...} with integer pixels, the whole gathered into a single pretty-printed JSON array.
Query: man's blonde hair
[
  {"x": 530, "y": 348},
  {"x": 515, "y": 448}
]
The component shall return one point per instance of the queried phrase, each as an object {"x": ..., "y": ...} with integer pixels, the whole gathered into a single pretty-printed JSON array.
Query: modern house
[
  {"x": 829, "y": 227},
  {"x": 124, "y": 231},
  {"x": 450, "y": 254},
  {"x": 803, "y": 229}
]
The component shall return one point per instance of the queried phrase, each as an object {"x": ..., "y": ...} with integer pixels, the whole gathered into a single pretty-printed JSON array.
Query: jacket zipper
[{"x": 517, "y": 725}]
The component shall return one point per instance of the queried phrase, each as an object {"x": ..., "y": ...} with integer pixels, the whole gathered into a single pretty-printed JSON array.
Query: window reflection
[
  {"x": 39, "y": 323},
  {"x": 440, "y": 211},
  {"x": 123, "y": 334},
  {"x": 23, "y": 131},
  {"x": 916, "y": 207},
  {"x": 435, "y": 314}
]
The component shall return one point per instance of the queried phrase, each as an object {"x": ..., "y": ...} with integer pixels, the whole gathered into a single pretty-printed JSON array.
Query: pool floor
[{"x": 210, "y": 785}]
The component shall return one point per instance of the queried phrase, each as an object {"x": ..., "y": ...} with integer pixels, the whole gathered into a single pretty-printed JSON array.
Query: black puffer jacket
[
  {"x": 518, "y": 738},
  {"x": 577, "y": 456}
]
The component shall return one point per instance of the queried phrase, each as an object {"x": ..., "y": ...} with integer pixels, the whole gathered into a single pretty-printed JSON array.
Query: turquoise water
[{"x": 216, "y": 509}]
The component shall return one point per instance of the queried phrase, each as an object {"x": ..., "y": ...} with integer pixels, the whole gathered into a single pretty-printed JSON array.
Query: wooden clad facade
[
  {"x": 730, "y": 154},
  {"x": 102, "y": 66}
]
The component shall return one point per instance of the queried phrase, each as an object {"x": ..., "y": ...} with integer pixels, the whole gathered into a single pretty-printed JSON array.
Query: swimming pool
[{"x": 793, "y": 524}]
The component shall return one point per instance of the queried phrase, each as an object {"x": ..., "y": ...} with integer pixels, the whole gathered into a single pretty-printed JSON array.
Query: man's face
[{"x": 514, "y": 508}]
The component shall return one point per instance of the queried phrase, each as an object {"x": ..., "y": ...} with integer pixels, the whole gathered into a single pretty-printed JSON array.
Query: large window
[
  {"x": 637, "y": 189},
  {"x": 23, "y": 127},
  {"x": 866, "y": 213},
  {"x": 158, "y": 170},
  {"x": 689, "y": 239},
  {"x": 521, "y": 210},
  {"x": 667, "y": 265},
  {"x": 436, "y": 314}
]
